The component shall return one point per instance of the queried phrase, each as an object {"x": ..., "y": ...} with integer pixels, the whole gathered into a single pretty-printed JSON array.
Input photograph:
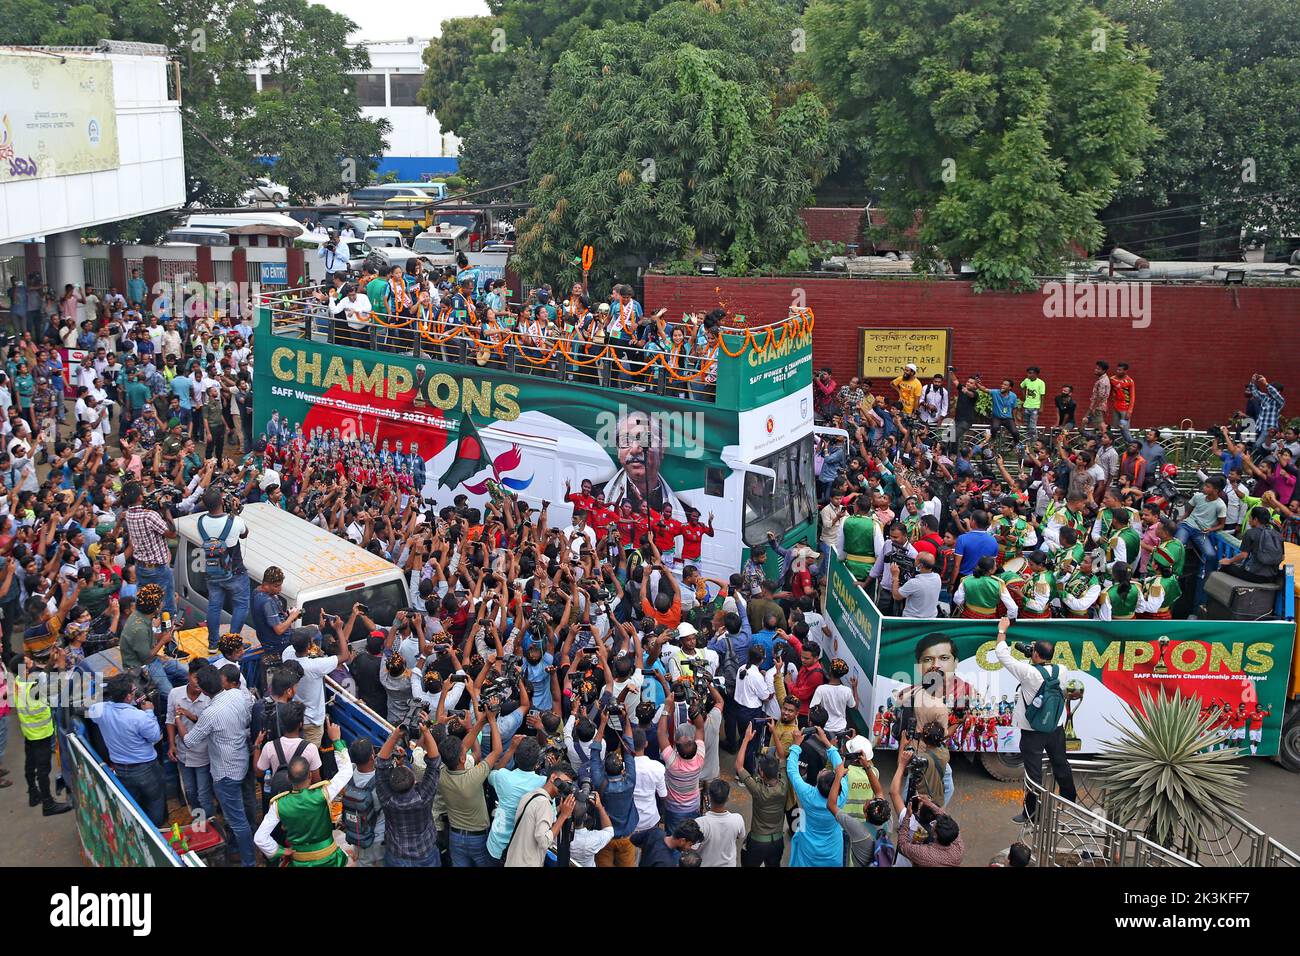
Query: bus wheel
[
  {"x": 1009, "y": 768},
  {"x": 1288, "y": 753}
]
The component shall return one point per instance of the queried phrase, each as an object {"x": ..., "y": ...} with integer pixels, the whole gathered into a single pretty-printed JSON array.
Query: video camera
[{"x": 415, "y": 723}]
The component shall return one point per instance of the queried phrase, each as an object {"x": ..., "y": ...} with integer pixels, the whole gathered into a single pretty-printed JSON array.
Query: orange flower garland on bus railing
[{"x": 800, "y": 322}]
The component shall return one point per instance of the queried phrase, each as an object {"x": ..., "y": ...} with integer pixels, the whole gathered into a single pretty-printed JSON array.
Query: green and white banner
[
  {"x": 471, "y": 426},
  {"x": 1237, "y": 670},
  {"x": 854, "y": 624}
]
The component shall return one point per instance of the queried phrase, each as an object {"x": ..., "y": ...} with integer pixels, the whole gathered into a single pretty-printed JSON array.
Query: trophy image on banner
[
  {"x": 1073, "y": 698},
  {"x": 1161, "y": 667},
  {"x": 420, "y": 373}
]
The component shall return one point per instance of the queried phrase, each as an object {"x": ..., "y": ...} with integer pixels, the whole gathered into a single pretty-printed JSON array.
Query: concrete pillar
[
  {"x": 297, "y": 268},
  {"x": 117, "y": 267},
  {"x": 239, "y": 264},
  {"x": 152, "y": 275},
  {"x": 63, "y": 263},
  {"x": 32, "y": 259},
  {"x": 203, "y": 265}
]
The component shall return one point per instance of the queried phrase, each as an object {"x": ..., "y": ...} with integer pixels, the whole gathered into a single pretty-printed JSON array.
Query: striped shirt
[
  {"x": 148, "y": 533},
  {"x": 223, "y": 725},
  {"x": 682, "y": 776},
  {"x": 1270, "y": 410}
]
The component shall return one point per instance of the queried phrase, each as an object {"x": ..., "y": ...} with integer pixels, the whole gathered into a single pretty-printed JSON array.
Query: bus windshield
[{"x": 790, "y": 503}]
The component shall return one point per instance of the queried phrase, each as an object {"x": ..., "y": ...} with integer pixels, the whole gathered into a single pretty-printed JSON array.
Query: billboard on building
[{"x": 59, "y": 116}]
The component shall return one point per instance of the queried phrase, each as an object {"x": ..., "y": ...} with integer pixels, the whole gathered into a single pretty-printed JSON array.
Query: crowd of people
[
  {"x": 560, "y": 690},
  {"x": 940, "y": 516},
  {"x": 457, "y": 315},
  {"x": 589, "y": 660}
]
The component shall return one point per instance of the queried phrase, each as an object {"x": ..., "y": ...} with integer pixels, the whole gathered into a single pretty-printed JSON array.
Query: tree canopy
[
  {"x": 668, "y": 136},
  {"x": 1229, "y": 155},
  {"x": 1007, "y": 125}
]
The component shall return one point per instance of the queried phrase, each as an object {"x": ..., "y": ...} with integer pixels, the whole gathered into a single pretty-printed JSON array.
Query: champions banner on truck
[
  {"x": 854, "y": 624},
  {"x": 113, "y": 831},
  {"x": 479, "y": 431},
  {"x": 1237, "y": 670}
]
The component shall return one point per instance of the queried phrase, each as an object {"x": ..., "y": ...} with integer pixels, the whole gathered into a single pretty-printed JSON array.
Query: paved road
[
  {"x": 983, "y": 807},
  {"x": 26, "y": 837}
]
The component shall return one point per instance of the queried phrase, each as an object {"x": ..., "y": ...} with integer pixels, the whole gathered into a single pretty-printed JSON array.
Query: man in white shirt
[
  {"x": 934, "y": 401},
  {"x": 1032, "y": 676},
  {"x": 650, "y": 783},
  {"x": 171, "y": 339},
  {"x": 311, "y": 689},
  {"x": 723, "y": 830},
  {"x": 578, "y": 532},
  {"x": 355, "y": 307}
]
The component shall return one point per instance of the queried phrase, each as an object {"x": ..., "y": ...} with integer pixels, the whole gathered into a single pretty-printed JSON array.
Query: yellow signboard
[
  {"x": 57, "y": 116},
  {"x": 882, "y": 353}
]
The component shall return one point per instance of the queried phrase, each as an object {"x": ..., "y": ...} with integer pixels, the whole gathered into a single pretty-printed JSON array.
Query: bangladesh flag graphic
[{"x": 471, "y": 456}]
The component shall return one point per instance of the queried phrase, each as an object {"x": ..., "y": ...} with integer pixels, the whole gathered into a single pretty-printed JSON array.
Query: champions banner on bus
[
  {"x": 854, "y": 624},
  {"x": 1237, "y": 670},
  {"x": 478, "y": 431}
]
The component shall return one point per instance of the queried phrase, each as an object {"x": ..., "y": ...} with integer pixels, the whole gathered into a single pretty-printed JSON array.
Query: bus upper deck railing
[{"x": 680, "y": 369}]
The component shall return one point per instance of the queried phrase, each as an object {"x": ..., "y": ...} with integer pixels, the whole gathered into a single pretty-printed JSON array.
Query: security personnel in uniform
[
  {"x": 304, "y": 812},
  {"x": 36, "y": 720}
]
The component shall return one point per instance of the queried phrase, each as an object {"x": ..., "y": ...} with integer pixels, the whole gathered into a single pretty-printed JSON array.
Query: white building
[
  {"x": 90, "y": 135},
  {"x": 417, "y": 147}
]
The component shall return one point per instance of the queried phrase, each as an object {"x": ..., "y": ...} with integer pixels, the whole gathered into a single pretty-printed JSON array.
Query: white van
[{"x": 321, "y": 571}]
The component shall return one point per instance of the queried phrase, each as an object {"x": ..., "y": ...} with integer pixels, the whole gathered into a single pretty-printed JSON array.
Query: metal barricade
[
  {"x": 1143, "y": 852},
  {"x": 1066, "y": 834},
  {"x": 1063, "y": 827}
]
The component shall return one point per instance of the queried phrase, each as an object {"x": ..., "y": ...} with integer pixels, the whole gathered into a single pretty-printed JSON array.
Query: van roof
[
  {"x": 251, "y": 218},
  {"x": 311, "y": 558}
]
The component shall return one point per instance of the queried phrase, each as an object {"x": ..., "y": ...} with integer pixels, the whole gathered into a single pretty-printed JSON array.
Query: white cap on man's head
[
  {"x": 910, "y": 367},
  {"x": 859, "y": 744}
]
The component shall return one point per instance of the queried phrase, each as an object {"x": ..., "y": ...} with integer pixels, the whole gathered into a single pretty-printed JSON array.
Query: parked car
[
  {"x": 390, "y": 244},
  {"x": 438, "y": 247},
  {"x": 265, "y": 191}
]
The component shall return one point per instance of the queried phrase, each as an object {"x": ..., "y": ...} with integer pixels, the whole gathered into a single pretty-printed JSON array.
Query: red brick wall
[
  {"x": 1193, "y": 361},
  {"x": 833, "y": 223}
]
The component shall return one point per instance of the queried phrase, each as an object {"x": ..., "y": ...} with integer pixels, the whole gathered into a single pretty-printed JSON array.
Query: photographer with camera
[
  {"x": 538, "y": 824},
  {"x": 866, "y": 811},
  {"x": 1039, "y": 715},
  {"x": 410, "y": 836},
  {"x": 315, "y": 668},
  {"x": 897, "y": 559},
  {"x": 927, "y": 836},
  {"x": 919, "y": 597},
  {"x": 223, "y": 563},
  {"x": 131, "y": 733},
  {"x": 149, "y": 532},
  {"x": 461, "y": 789}
]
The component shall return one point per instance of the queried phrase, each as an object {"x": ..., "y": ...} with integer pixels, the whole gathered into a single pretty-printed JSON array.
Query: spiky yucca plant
[{"x": 1162, "y": 776}]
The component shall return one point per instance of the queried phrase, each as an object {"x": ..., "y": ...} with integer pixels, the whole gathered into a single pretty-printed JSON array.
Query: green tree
[
  {"x": 552, "y": 26},
  {"x": 1230, "y": 152},
  {"x": 470, "y": 61},
  {"x": 504, "y": 130},
  {"x": 309, "y": 119},
  {"x": 668, "y": 136},
  {"x": 1007, "y": 126},
  {"x": 475, "y": 58}
]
